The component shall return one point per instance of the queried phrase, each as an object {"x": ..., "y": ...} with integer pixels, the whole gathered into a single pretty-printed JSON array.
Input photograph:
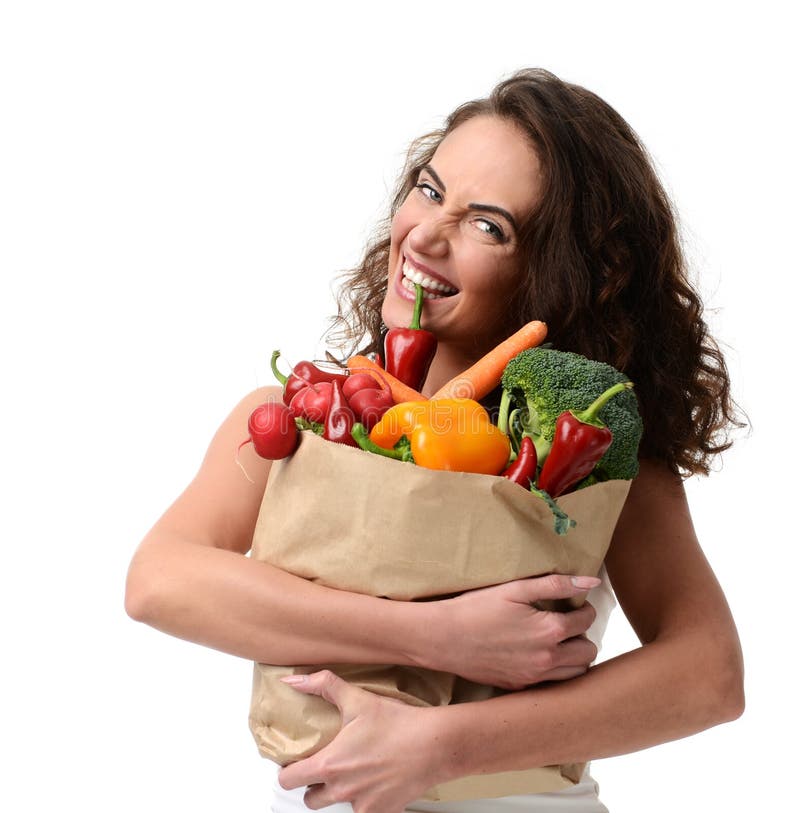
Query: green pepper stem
[
  {"x": 541, "y": 444},
  {"x": 419, "y": 296},
  {"x": 514, "y": 434},
  {"x": 502, "y": 415},
  {"x": 589, "y": 415},
  {"x": 361, "y": 437},
  {"x": 275, "y": 371}
]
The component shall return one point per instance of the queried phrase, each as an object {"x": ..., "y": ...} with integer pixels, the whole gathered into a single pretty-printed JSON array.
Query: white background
[{"x": 179, "y": 183}]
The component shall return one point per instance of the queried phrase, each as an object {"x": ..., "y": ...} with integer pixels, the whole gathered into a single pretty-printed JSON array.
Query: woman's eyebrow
[
  {"x": 480, "y": 207},
  {"x": 435, "y": 175}
]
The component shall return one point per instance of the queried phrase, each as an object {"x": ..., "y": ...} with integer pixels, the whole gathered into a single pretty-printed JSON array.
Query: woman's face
[{"x": 457, "y": 234}]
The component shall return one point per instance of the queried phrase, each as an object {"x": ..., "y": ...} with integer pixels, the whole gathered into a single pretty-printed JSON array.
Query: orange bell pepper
[{"x": 452, "y": 434}]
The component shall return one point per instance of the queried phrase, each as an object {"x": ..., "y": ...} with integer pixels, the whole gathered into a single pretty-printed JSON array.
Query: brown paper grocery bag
[{"x": 361, "y": 522}]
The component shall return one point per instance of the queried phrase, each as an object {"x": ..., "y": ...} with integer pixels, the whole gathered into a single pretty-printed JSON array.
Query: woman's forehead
[{"x": 489, "y": 160}]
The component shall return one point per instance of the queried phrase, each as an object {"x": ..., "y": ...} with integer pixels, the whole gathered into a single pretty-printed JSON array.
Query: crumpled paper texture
[{"x": 356, "y": 521}]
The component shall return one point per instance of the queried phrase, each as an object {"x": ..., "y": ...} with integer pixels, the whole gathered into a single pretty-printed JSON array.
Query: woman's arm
[
  {"x": 190, "y": 578},
  {"x": 686, "y": 677}
]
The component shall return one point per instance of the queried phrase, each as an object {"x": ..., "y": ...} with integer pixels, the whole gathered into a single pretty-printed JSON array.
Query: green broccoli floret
[{"x": 548, "y": 382}]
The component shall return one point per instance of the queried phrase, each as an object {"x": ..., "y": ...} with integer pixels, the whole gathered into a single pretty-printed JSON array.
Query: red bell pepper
[
  {"x": 579, "y": 441},
  {"x": 410, "y": 350}
]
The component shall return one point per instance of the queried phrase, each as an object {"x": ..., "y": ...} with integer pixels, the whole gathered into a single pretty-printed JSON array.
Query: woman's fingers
[
  {"x": 299, "y": 774},
  {"x": 349, "y": 699},
  {"x": 564, "y": 673},
  {"x": 327, "y": 685},
  {"x": 317, "y": 797},
  {"x": 574, "y": 622},
  {"x": 552, "y": 587},
  {"x": 579, "y": 651}
]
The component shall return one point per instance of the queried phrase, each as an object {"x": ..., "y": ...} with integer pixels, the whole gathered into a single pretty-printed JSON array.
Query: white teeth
[
  {"x": 407, "y": 283},
  {"x": 411, "y": 276}
]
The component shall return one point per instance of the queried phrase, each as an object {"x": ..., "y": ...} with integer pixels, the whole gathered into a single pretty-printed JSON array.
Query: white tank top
[{"x": 580, "y": 798}]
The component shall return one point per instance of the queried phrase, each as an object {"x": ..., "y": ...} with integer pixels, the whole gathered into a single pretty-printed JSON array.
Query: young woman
[{"x": 538, "y": 202}]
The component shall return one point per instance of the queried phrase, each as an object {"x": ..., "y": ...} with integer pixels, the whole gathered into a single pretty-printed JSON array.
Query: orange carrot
[
  {"x": 400, "y": 391},
  {"x": 480, "y": 379}
]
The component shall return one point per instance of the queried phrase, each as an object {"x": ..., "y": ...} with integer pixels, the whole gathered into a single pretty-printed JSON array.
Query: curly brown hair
[{"x": 604, "y": 266}]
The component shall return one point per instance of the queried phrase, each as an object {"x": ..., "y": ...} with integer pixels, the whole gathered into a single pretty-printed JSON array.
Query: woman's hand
[
  {"x": 379, "y": 761},
  {"x": 497, "y": 636}
]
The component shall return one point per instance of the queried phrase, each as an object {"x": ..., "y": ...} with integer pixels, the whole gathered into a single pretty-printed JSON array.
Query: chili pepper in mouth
[
  {"x": 340, "y": 418},
  {"x": 409, "y": 351},
  {"x": 579, "y": 442},
  {"x": 523, "y": 470},
  {"x": 303, "y": 374}
]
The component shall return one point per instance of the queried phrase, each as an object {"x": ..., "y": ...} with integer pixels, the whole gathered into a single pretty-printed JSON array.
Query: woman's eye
[
  {"x": 492, "y": 229},
  {"x": 429, "y": 192}
]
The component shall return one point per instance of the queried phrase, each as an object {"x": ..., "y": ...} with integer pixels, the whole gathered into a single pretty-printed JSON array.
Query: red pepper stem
[
  {"x": 589, "y": 415},
  {"x": 275, "y": 371},
  {"x": 418, "y": 290}
]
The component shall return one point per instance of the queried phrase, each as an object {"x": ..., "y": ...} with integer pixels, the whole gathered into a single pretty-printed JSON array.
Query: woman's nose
[{"x": 429, "y": 236}]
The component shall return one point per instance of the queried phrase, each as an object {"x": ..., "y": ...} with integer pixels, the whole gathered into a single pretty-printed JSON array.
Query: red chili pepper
[
  {"x": 368, "y": 398},
  {"x": 303, "y": 374},
  {"x": 579, "y": 441},
  {"x": 523, "y": 469},
  {"x": 313, "y": 402},
  {"x": 340, "y": 418},
  {"x": 410, "y": 350}
]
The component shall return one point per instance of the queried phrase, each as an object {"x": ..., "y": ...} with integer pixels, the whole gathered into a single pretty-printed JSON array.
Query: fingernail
[
  {"x": 294, "y": 679},
  {"x": 585, "y": 582}
]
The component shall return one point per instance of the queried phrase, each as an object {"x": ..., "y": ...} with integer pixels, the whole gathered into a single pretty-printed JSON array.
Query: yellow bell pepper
[{"x": 452, "y": 434}]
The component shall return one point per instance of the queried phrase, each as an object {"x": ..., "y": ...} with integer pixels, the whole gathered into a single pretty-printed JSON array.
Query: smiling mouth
[{"x": 431, "y": 288}]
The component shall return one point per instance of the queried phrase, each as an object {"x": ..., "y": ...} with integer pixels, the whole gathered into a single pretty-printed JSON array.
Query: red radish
[
  {"x": 273, "y": 431},
  {"x": 369, "y": 401},
  {"x": 312, "y": 402},
  {"x": 358, "y": 381}
]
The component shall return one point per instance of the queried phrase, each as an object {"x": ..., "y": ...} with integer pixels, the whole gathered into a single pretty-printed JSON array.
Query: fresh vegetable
[
  {"x": 409, "y": 351},
  {"x": 523, "y": 469},
  {"x": 312, "y": 403},
  {"x": 562, "y": 522},
  {"x": 340, "y": 419},
  {"x": 479, "y": 380},
  {"x": 482, "y": 449},
  {"x": 401, "y": 451},
  {"x": 397, "y": 421},
  {"x": 451, "y": 434},
  {"x": 368, "y": 398},
  {"x": 548, "y": 382},
  {"x": 358, "y": 381},
  {"x": 400, "y": 391},
  {"x": 580, "y": 440},
  {"x": 303, "y": 374},
  {"x": 273, "y": 432}
]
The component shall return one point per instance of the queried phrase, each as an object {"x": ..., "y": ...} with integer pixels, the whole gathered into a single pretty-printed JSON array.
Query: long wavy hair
[{"x": 604, "y": 266}]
